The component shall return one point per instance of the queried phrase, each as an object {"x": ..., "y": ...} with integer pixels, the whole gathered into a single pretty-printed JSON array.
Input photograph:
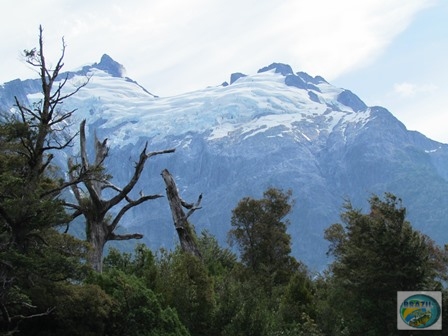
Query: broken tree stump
[{"x": 183, "y": 228}]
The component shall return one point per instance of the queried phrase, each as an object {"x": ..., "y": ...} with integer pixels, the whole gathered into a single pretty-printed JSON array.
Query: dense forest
[{"x": 53, "y": 283}]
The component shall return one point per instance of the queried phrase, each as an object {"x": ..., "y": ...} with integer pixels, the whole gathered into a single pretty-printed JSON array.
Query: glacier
[{"x": 275, "y": 128}]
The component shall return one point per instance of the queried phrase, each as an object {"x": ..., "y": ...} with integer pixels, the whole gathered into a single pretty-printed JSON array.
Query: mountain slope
[{"x": 274, "y": 128}]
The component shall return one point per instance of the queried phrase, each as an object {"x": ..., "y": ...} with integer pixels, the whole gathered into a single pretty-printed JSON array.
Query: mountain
[{"x": 276, "y": 128}]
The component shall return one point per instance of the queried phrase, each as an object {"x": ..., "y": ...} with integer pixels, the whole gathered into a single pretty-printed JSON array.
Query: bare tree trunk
[
  {"x": 97, "y": 237},
  {"x": 40, "y": 130},
  {"x": 48, "y": 118},
  {"x": 183, "y": 228},
  {"x": 92, "y": 204}
]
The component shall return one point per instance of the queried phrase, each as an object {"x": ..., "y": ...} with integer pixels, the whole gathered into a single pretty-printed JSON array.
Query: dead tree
[
  {"x": 30, "y": 209},
  {"x": 183, "y": 228},
  {"x": 46, "y": 120},
  {"x": 92, "y": 205}
]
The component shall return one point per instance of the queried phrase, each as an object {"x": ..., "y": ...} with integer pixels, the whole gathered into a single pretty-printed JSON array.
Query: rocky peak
[{"x": 110, "y": 66}]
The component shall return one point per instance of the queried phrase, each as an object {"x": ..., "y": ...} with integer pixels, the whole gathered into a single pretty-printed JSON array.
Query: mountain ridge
[{"x": 275, "y": 128}]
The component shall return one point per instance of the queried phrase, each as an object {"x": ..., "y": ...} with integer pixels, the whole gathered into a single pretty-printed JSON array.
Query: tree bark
[
  {"x": 46, "y": 118},
  {"x": 92, "y": 205},
  {"x": 97, "y": 237},
  {"x": 183, "y": 228}
]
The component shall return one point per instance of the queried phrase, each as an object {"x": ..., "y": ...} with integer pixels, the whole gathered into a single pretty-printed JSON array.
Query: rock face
[{"x": 275, "y": 128}]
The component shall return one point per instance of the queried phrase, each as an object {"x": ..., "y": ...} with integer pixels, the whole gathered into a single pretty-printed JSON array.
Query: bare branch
[
  {"x": 63, "y": 117},
  {"x": 75, "y": 91},
  {"x": 137, "y": 172},
  {"x": 101, "y": 151},
  {"x": 172, "y": 150},
  {"x": 195, "y": 206},
  {"x": 73, "y": 180},
  {"x": 46, "y": 163},
  {"x": 25, "y": 317},
  {"x": 95, "y": 212},
  {"x": 25, "y": 110},
  {"x": 72, "y": 205},
  {"x": 76, "y": 214},
  {"x": 114, "y": 236},
  {"x": 57, "y": 95},
  {"x": 60, "y": 146},
  {"x": 59, "y": 65},
  {"x": 108, "y": 184},
  {"x": 82, "y": 134},
  {"x": 43, "y": 66},
  {"x": 94, "y": 192},
  {"x": 184, "y": 231},
  {"x": 128, "y": 206},
  {"x": 17, "y": 318}
]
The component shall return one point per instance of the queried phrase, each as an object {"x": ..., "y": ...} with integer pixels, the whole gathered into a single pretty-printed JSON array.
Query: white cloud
[
  {"x": 201, "y": 42},
  {"x": 406, "y": 89},
  {"x": 332, "y": 37},
  {"x": 421, "y": 107},
  {"x": 426, "y": 114},
  {"x": 174, "y": 46}
]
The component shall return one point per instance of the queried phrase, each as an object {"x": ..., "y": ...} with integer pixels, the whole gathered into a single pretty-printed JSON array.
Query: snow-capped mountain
[{"x": 273, "y": 128}]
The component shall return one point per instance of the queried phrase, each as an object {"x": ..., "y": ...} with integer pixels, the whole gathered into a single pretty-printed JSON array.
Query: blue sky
[{"x": 391, "y": 53}]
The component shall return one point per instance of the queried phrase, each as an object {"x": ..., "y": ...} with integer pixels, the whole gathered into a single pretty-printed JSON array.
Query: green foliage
[
  {"x": 79, "y": 310},
  {"x": 185, "y": 285},
  {"x": 244, "y": 308},
  {"x": 218, "y": 260},
  {"x": 259, "y": 230},
  {"x": 269, "y": 293},
  {"x": 33, "y": 251},
  {"x": 376, "y": 255},
  {"x": 305, "y": 326},
  {"x": 47, "y": 288},
  {"x": 34, "y": 254},
  {"x": 141, "y": 263},
  {"x": 25, "y": 207},
  {"x": 137, "y": 309},
  {"x": 297, "y": 298},
  {"x": 331, "y": 306}
]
